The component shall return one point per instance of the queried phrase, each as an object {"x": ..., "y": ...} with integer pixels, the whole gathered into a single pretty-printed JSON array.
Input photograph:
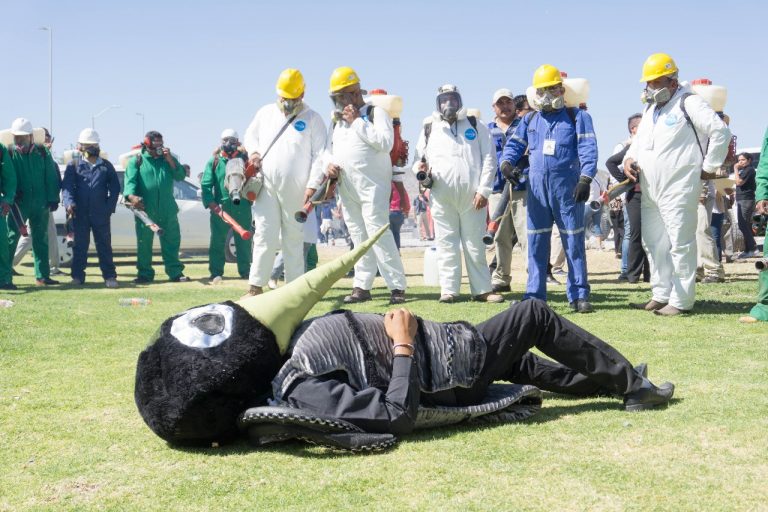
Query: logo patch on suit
[
  {"x": 299, "y": 125},
  {"x": 470, "y": 134}
]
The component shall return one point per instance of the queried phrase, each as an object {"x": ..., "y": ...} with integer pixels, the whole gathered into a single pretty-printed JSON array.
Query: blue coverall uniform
[
  {"x": 93, "y": 191},
  {"x": 561, "y": 149}
]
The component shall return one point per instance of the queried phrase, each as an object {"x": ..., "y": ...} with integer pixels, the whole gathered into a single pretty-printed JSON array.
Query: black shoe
[
  {"x": 649, "y": 396},
  {"x": 8, "y": 286},
  {"x": 582, "y": 306},
  {"x": 357, "y": 295},
  {"x": 642, "y": 370},
  {"x": 397, "y": 297},
  {"x": 141, "y": 280},
  {"x": 623, "y": 277},
  {"x": 551, "y": 279},
  {"x": 499, "y": 288},
  {"x": 179, "y": 279},
  {"x": 46, "y": 282}
]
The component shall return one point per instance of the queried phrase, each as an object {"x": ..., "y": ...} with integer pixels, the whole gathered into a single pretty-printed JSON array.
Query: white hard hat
[
  {"x": 21, "y": 126},
  {"x": 229, "y": 132},
  {"x": 88, "y": 136}
]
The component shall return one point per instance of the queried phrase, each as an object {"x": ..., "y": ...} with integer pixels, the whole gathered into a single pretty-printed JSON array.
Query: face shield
[{"x": 448, "y": 104}]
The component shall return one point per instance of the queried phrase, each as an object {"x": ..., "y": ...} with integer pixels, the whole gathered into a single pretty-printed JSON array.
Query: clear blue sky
[{"x": 194, "y": 68}]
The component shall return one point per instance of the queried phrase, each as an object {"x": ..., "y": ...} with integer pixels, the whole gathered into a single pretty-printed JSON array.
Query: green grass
[{"x": 71, "y": 438}]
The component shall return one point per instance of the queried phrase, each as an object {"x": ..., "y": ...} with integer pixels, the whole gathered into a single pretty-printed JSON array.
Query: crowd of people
[{"x": 535, "y": 163}]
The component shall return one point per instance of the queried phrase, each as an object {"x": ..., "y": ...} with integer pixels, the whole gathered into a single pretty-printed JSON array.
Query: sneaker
[
  {"x": 357, "y": 295},
  {"x": 582, "y": 306},
  {"x": 57, "y": 272},
  {"x": 272, "y": 284},
  {"x": 493, "y": 298},
  {"x": 559, "y": 272},
  {"x": 76, "y": 282},
  {"x": 253, "y": 291},
  {"x": 499, "y": 288},
  {"x": 141, "y": 280},
  {"x": 397, "y": 297},
  {"x": 214, "y": 280},
  {"x": 670, "y": 311},
  {"x": 651, "y": 305},
  {"x": 11, "y": 286},
  {"x": 111, "y": 283},
  {"x": 46, "y": 282},
  {"x": 747, "y": 254},
  {"x": 551, "y": 280},
  {"x": 448, "y": 298},
  {"x": 179, "y": 279}
]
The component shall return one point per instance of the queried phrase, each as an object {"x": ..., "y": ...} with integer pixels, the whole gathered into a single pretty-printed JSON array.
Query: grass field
[{"x": 72, "y": 439}]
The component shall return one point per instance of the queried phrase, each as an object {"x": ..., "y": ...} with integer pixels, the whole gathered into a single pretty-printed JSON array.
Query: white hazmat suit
[
  {"x": 462, "y": 165},
  {"x": 287, "y": 168},
  {"x": 362, "y": 151},
  {"x": 666, "y": 150}
]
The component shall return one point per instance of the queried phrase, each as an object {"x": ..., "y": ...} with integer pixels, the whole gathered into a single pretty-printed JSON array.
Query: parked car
[{"x": 193, "y": 220}]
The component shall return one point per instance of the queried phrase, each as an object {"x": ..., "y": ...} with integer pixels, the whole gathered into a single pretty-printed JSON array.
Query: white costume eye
[{"x": 204, "y": 327}]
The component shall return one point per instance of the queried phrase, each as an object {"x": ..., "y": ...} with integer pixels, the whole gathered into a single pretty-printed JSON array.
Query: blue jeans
[
  {"x": 717, "y": 230},
  {"x": 396, "y": 220},
  {"x": 592, "y": 221},
  {"x": 625, "y": 241}
]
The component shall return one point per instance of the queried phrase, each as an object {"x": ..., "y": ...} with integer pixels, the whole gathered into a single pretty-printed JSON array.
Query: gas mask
[
  {"x": 229, "y": 145},
  {"x": 156, "y": 148},
  {"x": 92, "y": 151},
  {"x": 547, "y": 101},
  {"x": 652, "y": 96},
  {"x": 23, "y": 144},
  {"x": 448, "y": 103},
  {"x": 289, "y": 107}
]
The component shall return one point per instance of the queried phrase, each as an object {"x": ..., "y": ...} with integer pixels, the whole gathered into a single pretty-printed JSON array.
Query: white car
[{"x": 194, "y": 220}]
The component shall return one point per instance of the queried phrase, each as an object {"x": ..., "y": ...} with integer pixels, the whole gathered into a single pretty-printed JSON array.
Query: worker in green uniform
[
  {"x": 37, "y": 194},
  {"x": 759, "y": 312},
  {"x": 149, "y": 179},
  {"x": 216, "y": 193},
  {"x": 7, "y": 194}
]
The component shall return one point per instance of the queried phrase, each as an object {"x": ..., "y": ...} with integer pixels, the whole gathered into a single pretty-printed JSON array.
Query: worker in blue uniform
[
  {"x": 90, "y": 191},
  {"x": 563, "y": 161}
]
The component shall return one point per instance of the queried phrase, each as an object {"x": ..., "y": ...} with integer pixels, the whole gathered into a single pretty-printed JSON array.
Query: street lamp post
[
  {"x": 141, "y": 114},
  {"x": 50, "y": 76},
  {"x": 104, "y": 110}
]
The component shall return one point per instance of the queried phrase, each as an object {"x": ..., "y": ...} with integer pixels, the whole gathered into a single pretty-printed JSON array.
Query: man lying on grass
[{"x": 355, "y": 380}]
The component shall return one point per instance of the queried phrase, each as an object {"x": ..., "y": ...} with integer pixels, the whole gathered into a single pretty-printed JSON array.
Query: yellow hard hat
[
  {"x": 290, "y": 84},
  {"x": 545, "y": 76},
  {"x": 658, "y": 65},
  {"x": 343, "y": 77}
]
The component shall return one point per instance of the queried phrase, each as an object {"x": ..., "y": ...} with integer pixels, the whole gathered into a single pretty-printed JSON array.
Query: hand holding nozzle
[
  {"x": 424, "y": 175},
  {"x": 632, "y": 170},
  {"x": 317, "y": 196}
]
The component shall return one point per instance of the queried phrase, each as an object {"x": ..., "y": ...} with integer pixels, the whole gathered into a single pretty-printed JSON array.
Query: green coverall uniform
[
  {"x": 153, "y": 182},
  {"x": 37, "y": 191},
  {"x": 212, "y": 185},
  {"x": 7, "y": 195},
  {"x": 760, "y": 310}
]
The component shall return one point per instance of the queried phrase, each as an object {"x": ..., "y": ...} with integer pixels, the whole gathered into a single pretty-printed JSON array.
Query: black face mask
[
  {"x": 229, "y": 147},
  {"x": 92, "y": 150}
]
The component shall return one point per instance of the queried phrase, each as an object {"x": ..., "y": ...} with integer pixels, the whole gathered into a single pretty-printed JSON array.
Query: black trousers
[
  {"x": 583, "y": 364},
  {"x": 637, "y": 261}
]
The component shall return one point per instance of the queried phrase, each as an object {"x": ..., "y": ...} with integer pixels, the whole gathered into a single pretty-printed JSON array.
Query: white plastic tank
[
  {"x": 389, "y": 102},
  {"x": 431, "y": 276},
  {"x": 69, "y": 155},
  {"x": 715, "y": 95},
  {"x": 475, "y": 112},
  {"x": 123, "y": 159},
  {"x": 576, "y": 91},
  {"x": 6, "y": 137}
]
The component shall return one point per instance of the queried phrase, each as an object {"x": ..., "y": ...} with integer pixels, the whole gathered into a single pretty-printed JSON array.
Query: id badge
[{"x": 549, "y": 147}]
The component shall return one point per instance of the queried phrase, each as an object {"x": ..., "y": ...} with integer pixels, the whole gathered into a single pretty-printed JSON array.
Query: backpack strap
[
  {"x": 215, "y": 162},
  {"x": 572, "y": 111},
  {"x": 473, "y": 121},
  {"x": 427, "y": 133},
  {"x": 689, "y": 121}
]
